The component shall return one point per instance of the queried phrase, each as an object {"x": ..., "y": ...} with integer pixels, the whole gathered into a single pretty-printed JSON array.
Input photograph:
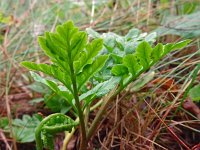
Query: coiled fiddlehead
[{"x": 51, "y": 125}]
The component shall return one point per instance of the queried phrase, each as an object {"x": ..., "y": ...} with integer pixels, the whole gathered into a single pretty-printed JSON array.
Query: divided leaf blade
[
  {"x": 143, "y": 53},
  {"x": 90, "y": 70},
  {"x": 174, "y": 46},
  {"x": 100, "y": 90},
  {"x": 87, "y": 56},
  {"x": 157, "y": 52},
  {"x": 131, "y": 62},
  {"x": 50, "y": 70},
  {"x": 53, "y": 86},
  {"x": 119, "y": 70}
]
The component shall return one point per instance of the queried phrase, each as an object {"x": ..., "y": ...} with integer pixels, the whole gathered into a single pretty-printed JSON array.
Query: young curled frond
[{"x": 51, "y": 125}]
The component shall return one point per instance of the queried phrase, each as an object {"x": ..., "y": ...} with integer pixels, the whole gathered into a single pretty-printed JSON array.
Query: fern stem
[
  {"x": 86, "y": 117},
  {"x": 83, "y": 144},
  {"x": 100, "y": 114},
  {"x": 68, "y": 135},
  {"x": 103, "y": 107}
]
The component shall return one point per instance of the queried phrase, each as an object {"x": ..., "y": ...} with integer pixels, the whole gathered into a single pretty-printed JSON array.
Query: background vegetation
[{"x": 160, "y": 110}]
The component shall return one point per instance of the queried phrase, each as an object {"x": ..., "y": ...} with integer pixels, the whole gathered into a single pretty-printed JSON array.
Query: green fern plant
[{"x": 75, "y": 62}]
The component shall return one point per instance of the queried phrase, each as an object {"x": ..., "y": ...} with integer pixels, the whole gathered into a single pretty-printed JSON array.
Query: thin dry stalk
[
  {"x": 172, "y": 133},
  {"x": 5, "y": 141}
]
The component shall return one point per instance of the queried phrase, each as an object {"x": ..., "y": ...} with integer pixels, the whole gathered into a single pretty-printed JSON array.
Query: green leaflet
[
  {"x": 64, "y": 35},
  {"x": 117, "y": 59},
  {"x": 64, "y": 45},
  {"x": 67, "y": 30},
  {"x": 93, "y": 33},
  {"x": 131, "y": 62},
  {"x": 151, "y": 38},
  {"x": 143, "y": 52},
  {"x": 174, "y": 46},
  {"x": 78, "y": 43},
  {"x": 180, "y": 44},
  {"x": 70, "y": 39},
  {"x": 50, "y": 70},
  {"x": 87, "y": 56},
  {"x": 90, "y": 70},
  {"x": 58, "y": 42},
  {"x": 132, "y": 33},
  {"x": 136, "y": 86},
  {"x": 52, "y": 85},
  {"x": 119, "y": 70},
  {"x": 157, "y": 52},
  {"x": 23, "y": 129},
  {"x": 100, "y": 89},
  {"x": 194, "y": 93},
  {"x": 43, "y": 44},
  {"x": 52, "y": 42},
  {"x": 56, "y": 54}
]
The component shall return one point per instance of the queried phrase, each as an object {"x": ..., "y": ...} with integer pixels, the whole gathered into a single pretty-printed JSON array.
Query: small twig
[
  {"x": 172, "y": 133},
  {"x": 92, "y": 13},
  {"x": 147, "y": 139},
  {"x": 148, "y": 12},
  {"x": 68, "y": 136},
  {"x": 54, "y": 24},
  {"x": 5, "y": 141},
  {"x": 137, "y": 14},
  {"x": 113, "y": 16}
]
